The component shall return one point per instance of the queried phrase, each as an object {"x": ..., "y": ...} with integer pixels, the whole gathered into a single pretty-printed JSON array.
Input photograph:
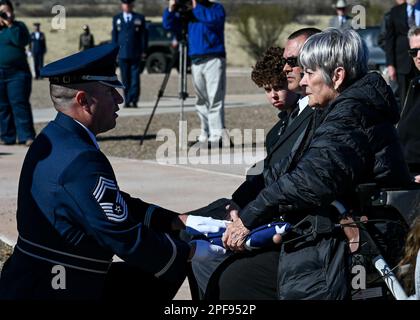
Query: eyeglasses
[
  {"x": 292, "y": 61},
  {"x": 413, "y": 52}
]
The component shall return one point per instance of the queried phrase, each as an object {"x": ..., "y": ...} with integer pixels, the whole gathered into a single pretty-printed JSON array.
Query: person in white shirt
[{"x": 38, "y": 48}]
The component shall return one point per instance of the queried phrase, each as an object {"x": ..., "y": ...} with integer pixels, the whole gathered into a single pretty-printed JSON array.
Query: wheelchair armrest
[{"x": 406, "y": 200}]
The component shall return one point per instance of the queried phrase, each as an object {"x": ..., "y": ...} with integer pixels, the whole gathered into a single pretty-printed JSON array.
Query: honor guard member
[
  {"x": 72, "y": 217},
  {"x": 38, "y": 48},
  {"x": 86, "y": 39},
  {"x": 130, "y": 33}
]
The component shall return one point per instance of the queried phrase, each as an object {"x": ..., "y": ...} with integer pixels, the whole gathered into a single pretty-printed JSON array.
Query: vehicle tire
[{"x": 156, "y": 63}]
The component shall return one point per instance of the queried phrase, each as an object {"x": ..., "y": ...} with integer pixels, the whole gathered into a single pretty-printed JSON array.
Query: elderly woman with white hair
[{"x": 351, "y": 140}]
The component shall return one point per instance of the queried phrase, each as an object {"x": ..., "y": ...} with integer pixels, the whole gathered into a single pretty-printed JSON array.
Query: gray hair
[
  {"x": 335, "y": 48},
  {"x": 63, "y": 96},
  {"x": 414, "y": 31}
]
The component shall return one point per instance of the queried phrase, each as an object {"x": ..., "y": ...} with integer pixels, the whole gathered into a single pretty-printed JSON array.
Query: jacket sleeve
[
  {"x": 44, "y": 43},
  {"x": 90, "y": 193},
  {"x": 215, "y": 15},
  {"x": 170, "y": 21},
  {"x": 248, "y": 190},
  {"x": 144, "y": 35},
  {"x": 114, "y": 31},
  {"x": 390, "y": 40},
  {"x": 331, "y": 166}
]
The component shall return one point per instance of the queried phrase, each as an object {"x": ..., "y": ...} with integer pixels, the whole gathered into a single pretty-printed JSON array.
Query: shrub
[{"x": 261, "y": 25}]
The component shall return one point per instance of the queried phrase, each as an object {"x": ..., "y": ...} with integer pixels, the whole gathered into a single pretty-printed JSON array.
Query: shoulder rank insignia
[{"x": 109, "y": 198}]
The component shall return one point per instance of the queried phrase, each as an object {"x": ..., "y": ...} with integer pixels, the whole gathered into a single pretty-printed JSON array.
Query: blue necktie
[{"x": 412, "y": 18}]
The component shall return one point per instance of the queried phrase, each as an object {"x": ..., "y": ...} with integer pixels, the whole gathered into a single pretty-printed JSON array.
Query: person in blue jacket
[
  {"x": 130, "y": 33},
  {"x": 206, "y": 48},
  {"x": 72, "y": 217},
  {"x": 38, "y": 48}
]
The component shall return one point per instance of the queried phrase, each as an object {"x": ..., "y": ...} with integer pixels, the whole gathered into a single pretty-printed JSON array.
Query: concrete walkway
[{"x": 166, "y": 105}]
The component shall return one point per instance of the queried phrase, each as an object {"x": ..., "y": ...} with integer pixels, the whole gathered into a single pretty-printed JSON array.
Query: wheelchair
[{"x": 384, "y": 217}]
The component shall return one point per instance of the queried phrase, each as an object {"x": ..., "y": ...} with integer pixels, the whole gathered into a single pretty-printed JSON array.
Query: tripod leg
[
  {"x": 183, "y": 93},
  {"x": 160, "y": 94}
]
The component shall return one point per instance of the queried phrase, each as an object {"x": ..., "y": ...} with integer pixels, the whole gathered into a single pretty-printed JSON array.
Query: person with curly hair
[
  {"x": 410, "y": 263},
  {"x": 268, "y": 74}
]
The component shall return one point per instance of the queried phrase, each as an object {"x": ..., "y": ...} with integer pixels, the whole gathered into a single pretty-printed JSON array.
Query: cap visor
[{"x": 115, "y": 84}]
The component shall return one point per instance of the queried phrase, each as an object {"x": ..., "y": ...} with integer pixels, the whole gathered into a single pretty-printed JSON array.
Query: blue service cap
[
  {"x": 127, "y": 1},
  {"x": 95, "y": 64}
]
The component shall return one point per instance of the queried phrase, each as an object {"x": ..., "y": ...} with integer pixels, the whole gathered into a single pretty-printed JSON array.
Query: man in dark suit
[
  {"x": 400, "y": 66},
  {"x": 410, "y": 115},
  {"x": 252, "y": 275},
  {"x": 130, "y": 33},
  {"x": 72, "y": 217},
  {"x": 38, "y": 48}
]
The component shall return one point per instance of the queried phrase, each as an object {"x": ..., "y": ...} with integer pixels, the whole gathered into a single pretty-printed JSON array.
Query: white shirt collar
[
  {"x": 91, "y": 135},
  {"x": 416, "y": 9},
  {"x": 303, "y": 102},
  {"x": 127, "y": 15}
]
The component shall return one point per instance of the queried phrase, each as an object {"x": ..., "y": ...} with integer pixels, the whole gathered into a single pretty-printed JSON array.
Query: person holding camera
[
  {"x": 15, "y": 80},
  {"x": 205, "y": 21}
]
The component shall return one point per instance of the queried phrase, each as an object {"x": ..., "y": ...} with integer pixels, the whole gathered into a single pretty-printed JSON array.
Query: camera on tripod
[
  {"x": 4, "y": 15},
  {"x": 183, "y": 5}
]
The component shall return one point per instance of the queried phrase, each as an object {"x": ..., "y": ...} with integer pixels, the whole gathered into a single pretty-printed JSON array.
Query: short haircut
[
  {"x": 335, "y": 48},
  {"x": 307, "y": 32},
  {"x": 268, "y": 71},
  {"x": 414, "y": 31},
  {"x": 62, "y": 95},
  {"x": 7, "y": 3}
]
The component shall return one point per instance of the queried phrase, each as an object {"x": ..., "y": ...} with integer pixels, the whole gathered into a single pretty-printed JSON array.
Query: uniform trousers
[
  {"x": 125, "y": 282},
  {"x": 130, "y": 76},
  {"x": 38, "y": 64}
]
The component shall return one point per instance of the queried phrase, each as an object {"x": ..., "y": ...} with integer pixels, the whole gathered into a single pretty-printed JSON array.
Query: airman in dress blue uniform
[
  {"x": 71, "y": 212},
  {"x": 38, "y": 48},
  {"x": 130, "y": 33}
]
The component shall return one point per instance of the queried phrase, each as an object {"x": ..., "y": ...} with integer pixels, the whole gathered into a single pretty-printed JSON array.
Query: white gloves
[
  {"x": 205, "y": 251},
  {"x": 204, "y": 225}
]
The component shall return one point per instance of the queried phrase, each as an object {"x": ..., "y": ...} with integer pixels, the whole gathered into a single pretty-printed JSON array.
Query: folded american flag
[{"x": 258, "y": 238}]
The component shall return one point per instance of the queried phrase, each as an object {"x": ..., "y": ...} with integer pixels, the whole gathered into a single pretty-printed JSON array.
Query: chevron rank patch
[{"x": 108, "y": 195}]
